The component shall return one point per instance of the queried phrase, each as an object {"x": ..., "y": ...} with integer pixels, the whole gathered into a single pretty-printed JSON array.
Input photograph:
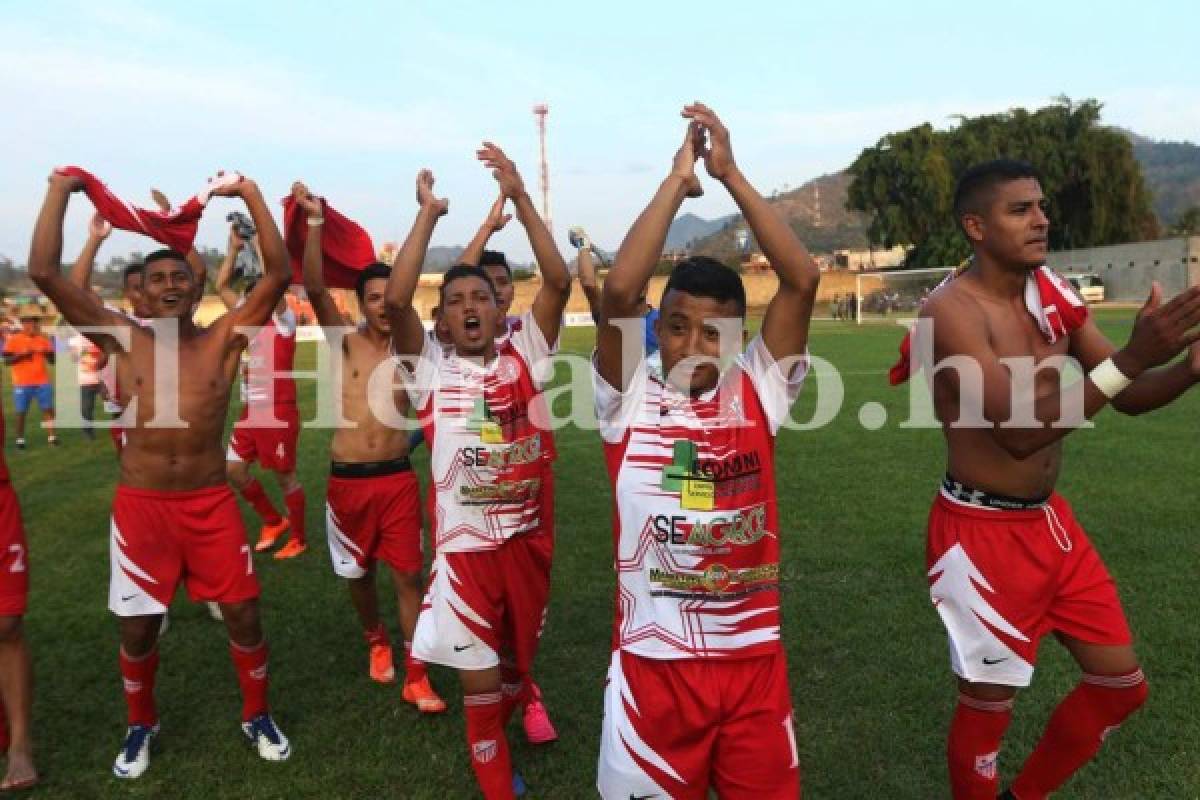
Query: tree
[
  {"x": 1094, "y": 187},
  {"x": 1188, "y": 223}
]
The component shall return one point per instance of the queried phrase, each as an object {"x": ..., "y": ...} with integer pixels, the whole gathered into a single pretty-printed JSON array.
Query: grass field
[{"x": 867, "y": 654}]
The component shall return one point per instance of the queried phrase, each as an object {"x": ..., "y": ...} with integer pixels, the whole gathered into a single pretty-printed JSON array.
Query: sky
[{"x": 355, "y": 98}]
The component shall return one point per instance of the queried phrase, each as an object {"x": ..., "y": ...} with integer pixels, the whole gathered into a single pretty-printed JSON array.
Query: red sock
[
  {"x": 1097, "y": 707},
  {"x": 488, "y": 746},
  {"x": 514, "y": 687},
  {"x": 294, "y": 500},
  {"x": 973, "y": 749},
  {"x": 251, "y": 666},
  {"x": 414, "y": 668},
  {"x": 137, "y": 675},
  {"x": 377, "y": 635},
  {"x": 256, "y": 497}
]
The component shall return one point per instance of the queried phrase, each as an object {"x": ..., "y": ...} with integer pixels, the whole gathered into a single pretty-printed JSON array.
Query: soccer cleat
[
  {"x": 214, "y": 611},
  {"x": 134, "y": 757},
  {"x": 290, "y": 550},
  {"x": 538, "y": 728},
  {"x": 165, "y": 625},
  {"x": 382, "y": 668},
  {"x": 20, "y": 443},
  {"x": 270, "y": 534},
  {"x": 422, "y": 695},
  {"x": 263, "y": 734},
  {"x": 52, "y": 441}
]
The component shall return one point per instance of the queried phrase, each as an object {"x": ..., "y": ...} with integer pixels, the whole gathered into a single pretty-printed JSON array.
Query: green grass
[{"x": 867, "y": 654}]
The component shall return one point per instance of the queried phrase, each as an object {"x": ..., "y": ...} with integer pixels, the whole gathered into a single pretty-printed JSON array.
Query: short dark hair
[
  {"x": 494, "y": 258},
  {"x": 373, "y": 271},
  {"x": 701, "y": 276},
  {"x": 464, "y": 271},
  {"x": 136, "y": 268},
  {"x": 975, "y": 186},
  {"x": 163, "y": 255}
]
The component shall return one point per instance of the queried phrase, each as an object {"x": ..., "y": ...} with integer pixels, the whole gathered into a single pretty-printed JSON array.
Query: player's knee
[
  {"x": 288, "y": 482},
  {"x": 408, "y": 580},
  {"x": 11, "y": 629},
  {"x": 242, "y": 621},
  {"x": 237, "y": 473},
  {"x": 987, "y": 692}
]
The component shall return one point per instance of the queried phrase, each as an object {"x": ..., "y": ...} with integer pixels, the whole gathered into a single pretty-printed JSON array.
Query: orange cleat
[
  {"x": 290, "y": 550},
  {"x": 422, "y": 695},
  {"x": 382, "y": 670},
  {"x": 270, "y": 534}
]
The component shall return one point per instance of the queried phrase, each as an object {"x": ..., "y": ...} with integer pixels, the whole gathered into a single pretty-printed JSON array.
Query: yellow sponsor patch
[{"x": 697, "y": 495}]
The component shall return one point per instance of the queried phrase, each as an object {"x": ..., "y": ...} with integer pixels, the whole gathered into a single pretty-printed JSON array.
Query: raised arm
[
  {"x": 1152, "y": 389},
  {"x": 225, "y": 271},
  {"x": 588, "y": 281},
  {"x": 99, "y": 229},
  {"x": 260, "y": 303},
  {"x": 785, "y": 326},
  {"x": 636, "y": 259},
  {"x": 313, "y": 263},
  {"x": 552, "y": 297},
  {"x": 494, "y": 223},
  {"x": 1160, "y": 333},
  {"x": 80, "y": 307},
  {"x": 408, "y": 334}
]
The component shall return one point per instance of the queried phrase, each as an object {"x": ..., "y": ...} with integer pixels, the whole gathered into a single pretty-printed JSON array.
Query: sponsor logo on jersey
[
  {"x": 741, "y": 528},
  {"x": 502, "y": 492},
  {"x": 525, "y": 451},
  {"x": 700, "y": 482},
  {"x": 716, "y": 578}
]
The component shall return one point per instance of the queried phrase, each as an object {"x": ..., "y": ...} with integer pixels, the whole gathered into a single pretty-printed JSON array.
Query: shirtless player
[
  {"x": 373, "y": 507},
  {"x": 1008, "y": 562},
  {"x": 174, "y": 516}
]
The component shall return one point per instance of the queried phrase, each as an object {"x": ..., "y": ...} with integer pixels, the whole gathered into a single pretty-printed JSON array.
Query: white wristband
[
  {"x": 1109, "y": 379},
  {"x": 315, "y": 221}
]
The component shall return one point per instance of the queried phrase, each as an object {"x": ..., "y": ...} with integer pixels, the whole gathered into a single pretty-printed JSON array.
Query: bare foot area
[{"x": 20, "y": 774}]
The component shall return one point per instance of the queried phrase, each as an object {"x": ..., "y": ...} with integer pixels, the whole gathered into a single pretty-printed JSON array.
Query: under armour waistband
[
  {"x": 369, "y": 469},
  {"x": 958, "y": 491}
]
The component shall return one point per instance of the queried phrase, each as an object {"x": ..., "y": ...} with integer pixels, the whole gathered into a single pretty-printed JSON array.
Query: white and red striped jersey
[
  {"x": 696, "y": 524},
  {"x": 486, "y": 455},
  {"x": 272, "y": 349}
]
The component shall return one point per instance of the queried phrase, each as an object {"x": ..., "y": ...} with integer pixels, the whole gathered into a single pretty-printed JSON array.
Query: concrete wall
[{"x": 1128, "y": 269}]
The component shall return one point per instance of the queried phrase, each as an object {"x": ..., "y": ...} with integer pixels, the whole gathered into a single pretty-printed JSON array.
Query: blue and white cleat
[
  {"x": 263, "y": 734},
  {"x": 134, "y": 757}
]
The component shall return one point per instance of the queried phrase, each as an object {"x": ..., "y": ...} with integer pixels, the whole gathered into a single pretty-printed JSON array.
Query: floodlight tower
[{"x": 540, "y": 111}]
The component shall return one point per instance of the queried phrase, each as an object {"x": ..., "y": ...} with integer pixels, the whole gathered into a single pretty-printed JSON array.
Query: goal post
[{"x": 888, "y": 295}]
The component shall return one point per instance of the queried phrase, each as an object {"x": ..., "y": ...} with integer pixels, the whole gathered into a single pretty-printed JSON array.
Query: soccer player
[
  {"x": 373, "y": 508},
  {"x": 174, "y": 517},
  {"x": 270, "y": 399},
  {"x": 591, "y": 290},
  {"x": 16, "y": 671},
  {"x": 697, "y": 690},
  {"x": 535, "y": 718},
  {"x": 491, "y": 572},
  {"x": 1008, "y": 562},
  {"x": 26, "y": 352}
]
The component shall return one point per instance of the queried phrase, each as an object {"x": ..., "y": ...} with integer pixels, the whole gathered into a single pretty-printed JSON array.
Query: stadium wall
[{"x": 1127, "y": 270}]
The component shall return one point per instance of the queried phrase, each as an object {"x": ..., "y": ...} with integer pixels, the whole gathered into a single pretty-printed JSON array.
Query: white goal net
[{"x": 893, "y": 294}]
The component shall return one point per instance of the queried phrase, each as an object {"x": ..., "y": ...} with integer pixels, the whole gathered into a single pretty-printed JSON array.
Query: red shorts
[
  {"x": 672, "y": 728},
  {"x": 159, "y": 538},
  {"x": 272, "y": 448},
  {"x": 373, "y": 518},
  {"x": 484, "y": 603},
  {"x": 1001, "y": 580},
  {"x": 14, "y": 555}
]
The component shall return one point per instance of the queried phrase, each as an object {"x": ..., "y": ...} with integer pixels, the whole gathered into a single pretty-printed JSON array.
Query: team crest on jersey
[{"x": 484, "y": 751}]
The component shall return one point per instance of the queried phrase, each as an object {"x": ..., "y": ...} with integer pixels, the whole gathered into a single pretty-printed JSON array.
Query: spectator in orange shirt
[{"x": 26, "y": 352}]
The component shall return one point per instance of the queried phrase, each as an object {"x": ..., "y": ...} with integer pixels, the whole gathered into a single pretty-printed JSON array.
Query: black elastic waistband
[
  {"x": 369, "y": 469},
  {"x": 977, "y": 497}
]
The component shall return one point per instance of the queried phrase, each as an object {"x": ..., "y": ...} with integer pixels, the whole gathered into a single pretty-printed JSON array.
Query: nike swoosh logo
[
  {"x": 642, "y": 796},
  {"x": 988, "y": 662},
  {"x": 459, "y": 649},
  {"x": 127, "y": 599}
]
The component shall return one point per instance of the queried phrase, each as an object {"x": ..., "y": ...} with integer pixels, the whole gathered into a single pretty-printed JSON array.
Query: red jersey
[
  {"x": 696, "y": 523},
  {"x": 273, "y": 349}
]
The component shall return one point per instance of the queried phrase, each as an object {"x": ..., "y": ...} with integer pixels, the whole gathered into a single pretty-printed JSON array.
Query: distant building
[
  {"x": 860, "y": 260},
  {"x": 1127, "y": 270}
]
